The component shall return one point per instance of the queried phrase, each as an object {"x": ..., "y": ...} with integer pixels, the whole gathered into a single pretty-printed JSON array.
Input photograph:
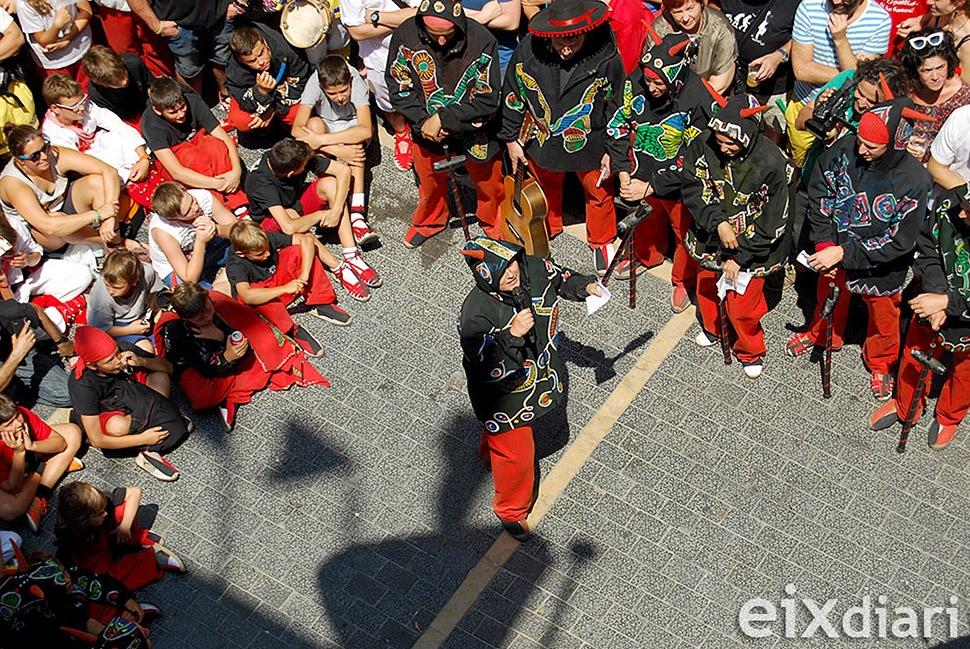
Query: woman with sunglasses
[
  {"x": 954, "y": 17},
  {"x": 930, "y": 59},
  {"x": 35, "y": 190}
]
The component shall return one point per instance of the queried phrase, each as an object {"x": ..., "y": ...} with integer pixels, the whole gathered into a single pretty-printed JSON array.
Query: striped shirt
[{"x": 868, "y": 34}]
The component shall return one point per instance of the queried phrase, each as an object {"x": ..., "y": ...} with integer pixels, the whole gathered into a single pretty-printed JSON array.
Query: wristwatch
[
  {"x": 375, "y": 18},
  {"x": 784, "y": 55}
]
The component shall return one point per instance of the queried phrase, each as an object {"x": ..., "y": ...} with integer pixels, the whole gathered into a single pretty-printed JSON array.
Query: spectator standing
[
  {"x": 59, "y": 34},
  {"x": 717, "y": 49},
  {"x": 950, "y": 153}
]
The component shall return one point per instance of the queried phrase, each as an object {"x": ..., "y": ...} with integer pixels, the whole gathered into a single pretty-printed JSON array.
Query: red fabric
[
  {"x": 126, "y": 32},
  {"x": 651, "y": 241},
  {"x": 600, "y": 214},
  {"x": 92, "y": 345},
  {"x": 274, "y": 360},
  {"x": 75, "y": 71},
  {"x": 37, "y": 429},
  {"x": 900, "y": 10},
  {"x": 240, "y": 119},
  {"x": 873, "y": 129},
  {"x": 954, "y": 400},
  {"x": 207, "y": 154},
  {"x": 142, "y": 192},
  {"x": 310, "y": 202},
  {"x": 431, "y": 215},
  {"x": 134, "y": 122},
  {"x": 629, "y": 20},
  {"x": 134, "y": 569},
  {"x": 882, "y": 335},
  {"x": 744, "y": 312},
  {"x": 511, "y": 456},
  {"x": 317, "y": 292}
]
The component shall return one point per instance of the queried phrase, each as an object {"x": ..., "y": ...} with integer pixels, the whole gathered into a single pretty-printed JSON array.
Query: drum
[{"x": 305, "y": 23}]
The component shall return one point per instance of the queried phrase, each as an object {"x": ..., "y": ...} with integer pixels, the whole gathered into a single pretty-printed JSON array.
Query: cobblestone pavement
[{"x": 347, "y": 516}]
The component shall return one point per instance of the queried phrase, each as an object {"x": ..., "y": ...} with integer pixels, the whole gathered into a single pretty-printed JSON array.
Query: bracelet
[
  {"x": 98, "y": 218},
  {"x": 159, "y": 29},
  {"x": 145, "y": 157}
]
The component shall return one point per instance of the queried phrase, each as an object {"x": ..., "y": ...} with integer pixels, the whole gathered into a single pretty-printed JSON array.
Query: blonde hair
[
  {"x": 246, "y": 236},
  {"x": 167, "y": 200},
  {"x": 76, "y": 503},
  {"x": 58, "y": 86},
  {"x": 40, "y": 6}
]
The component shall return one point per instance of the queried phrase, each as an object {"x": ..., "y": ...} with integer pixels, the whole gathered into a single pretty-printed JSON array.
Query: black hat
[{"x": 569, "y": 17}]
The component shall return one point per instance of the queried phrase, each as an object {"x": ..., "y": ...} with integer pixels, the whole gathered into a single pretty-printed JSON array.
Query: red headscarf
[{"x": 92, "y": 345}]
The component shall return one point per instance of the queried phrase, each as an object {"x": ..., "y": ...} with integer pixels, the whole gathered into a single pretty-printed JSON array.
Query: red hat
[
  {"x": 92, "y": 345},
  {"x": 873, "y": 129}
]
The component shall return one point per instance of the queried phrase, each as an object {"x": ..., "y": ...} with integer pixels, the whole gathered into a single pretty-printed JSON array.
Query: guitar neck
[{"x": 517, "y": 191}]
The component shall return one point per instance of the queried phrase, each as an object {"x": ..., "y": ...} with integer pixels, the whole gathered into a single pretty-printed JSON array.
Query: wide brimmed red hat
[{"x": 569, "y": 17}]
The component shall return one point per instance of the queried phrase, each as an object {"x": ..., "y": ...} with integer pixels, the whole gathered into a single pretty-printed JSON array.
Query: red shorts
[{"x": 310, "y": 202}]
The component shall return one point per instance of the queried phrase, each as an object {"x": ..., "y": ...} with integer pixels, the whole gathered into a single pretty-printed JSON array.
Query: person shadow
[{"x": 387, "y": 594}]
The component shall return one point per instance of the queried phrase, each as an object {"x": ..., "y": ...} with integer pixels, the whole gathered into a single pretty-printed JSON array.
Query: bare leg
[
  {"x": 397, "y": 121},
  {"x": 325, "y": 256},
  {"x": 160, "y": 382},
  {"x": 118, "y": 426},
  {"x": 145, "y": 344},
  {"x": 327, "y": 190},
  {"x": 57, "y": 465},
  {"x": 221, "y": 283},
  {"x": 14, "y": 505},
  {"x": 219, "y": 72}
]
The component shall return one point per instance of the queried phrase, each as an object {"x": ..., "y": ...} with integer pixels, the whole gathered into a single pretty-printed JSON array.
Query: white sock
[
  {"x": 56, "y": 318},
  {"x": 357, "y": 200},
  {"x": 350, "y": 253}
]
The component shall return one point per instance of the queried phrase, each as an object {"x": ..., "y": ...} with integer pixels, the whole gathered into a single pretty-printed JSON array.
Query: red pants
[
  {"x": 882, "y": 335},
  {"x": 651, "y": 240},
  {"x": 208, "y": 155},
  {"x": 511, "y": 457},
  {"x": 600, "y": 214},
  {"x": 240, "y": 119},
  {"x": 744, "y": 312},
  {"x": 128, "y": 33},
  {"x": 142, "y": 192},
  {"x": 954, "y": 400},
  {"x": 234, "y": 389},
  {"x": 431, "y": 215},
  {"x": 310, "y": 202},
  {"x": 75, "y": 71},
  {"x": 317, "y": 292}
]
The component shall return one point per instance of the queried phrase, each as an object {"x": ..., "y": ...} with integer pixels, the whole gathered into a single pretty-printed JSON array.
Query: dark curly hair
[{"x": 913, "y": 58}]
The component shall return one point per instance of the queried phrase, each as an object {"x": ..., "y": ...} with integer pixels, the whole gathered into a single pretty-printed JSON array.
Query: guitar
[{"x": 523, "y": 211}]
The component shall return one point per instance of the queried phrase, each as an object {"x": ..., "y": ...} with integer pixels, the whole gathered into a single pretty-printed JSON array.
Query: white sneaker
[
  {"x": 703, "y": 340},
  {"x": 753, "y": 370}
]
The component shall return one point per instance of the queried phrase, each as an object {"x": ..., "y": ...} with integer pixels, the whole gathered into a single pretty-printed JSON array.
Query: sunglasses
[
  {"x": 932, "y": 40},
  {"x": 35, "y": 156},
  {"x": 76, "y": 106}
]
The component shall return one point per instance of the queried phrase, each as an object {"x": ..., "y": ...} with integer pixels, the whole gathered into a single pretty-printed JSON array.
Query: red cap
[
  {"x": 92, "y": 345},
  {"x": 873, "y": 129}
]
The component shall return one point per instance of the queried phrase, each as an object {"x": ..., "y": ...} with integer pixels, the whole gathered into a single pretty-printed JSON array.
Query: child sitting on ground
[
  {"x": 334, "y": 118},
  {"x": 92, "y": 529},
  {"x": 187, "y": 237},
  {"x": 281, "y": 201},
  {"x": 120, "y": 301},
  {"x": 118, "y": 82},
  {"x": 120, "y": 398},
  {"x": 25, "y": 441},
  {"x": 191, "y": 145},
  {"x": 270, "y": 271}
]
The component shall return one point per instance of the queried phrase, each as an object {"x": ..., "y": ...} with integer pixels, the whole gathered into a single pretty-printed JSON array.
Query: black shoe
[
  {"x": 416, "y": 240},
  {"x": 333, "y": 314},
  {"x": 304, "y": 336},
  {"x": 518, "y": 530}
]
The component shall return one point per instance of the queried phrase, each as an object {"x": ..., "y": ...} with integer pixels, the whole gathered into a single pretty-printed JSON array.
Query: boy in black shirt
[
  {"x": 272, "y": 270},
  {"x": 122, "y": 410},
  {"x": 280, "y": 201},
  {"x": 118, "y": 82},
  {"x": 191, "y": 145}
]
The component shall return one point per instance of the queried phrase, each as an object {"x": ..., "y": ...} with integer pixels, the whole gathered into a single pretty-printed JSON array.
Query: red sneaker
[
  {"x": 939, "y": 435},
  {"x": 798, "y": 344},
  {"x": 36, "y": 511},
  {"x": 403, "y": 159}
]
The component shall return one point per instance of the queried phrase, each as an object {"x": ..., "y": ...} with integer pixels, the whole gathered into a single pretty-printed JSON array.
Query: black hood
[
  {"x": 740, "y": 120},
  {"x": 488, "y": 259},
  {"x": 668, "y": 58},
  {"x": 450, "y": 10}
]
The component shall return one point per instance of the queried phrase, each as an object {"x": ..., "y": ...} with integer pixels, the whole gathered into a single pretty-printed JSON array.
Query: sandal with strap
[
  {"x": 403, "y": 158},
  {"x": 798, "y": 344}
]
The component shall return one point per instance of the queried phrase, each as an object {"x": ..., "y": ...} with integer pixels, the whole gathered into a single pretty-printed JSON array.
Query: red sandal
[{"x": 403, "y": 158}]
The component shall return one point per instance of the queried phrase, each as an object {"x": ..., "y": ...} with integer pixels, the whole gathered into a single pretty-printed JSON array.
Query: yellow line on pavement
[{"x": 564, "y": 471}]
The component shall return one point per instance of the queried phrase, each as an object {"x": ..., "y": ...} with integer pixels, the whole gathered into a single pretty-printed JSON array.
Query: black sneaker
[
  {"x": 333, "y": 314},
  {"x": 518, "y": 530},
  {"x": 416, "y": 240},
  {"x": 156, "y": 466},
  {"x": 304, "y": 336}
]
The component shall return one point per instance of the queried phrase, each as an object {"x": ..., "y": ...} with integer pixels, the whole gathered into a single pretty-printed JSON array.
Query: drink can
[{"x": 236, "y": 337}]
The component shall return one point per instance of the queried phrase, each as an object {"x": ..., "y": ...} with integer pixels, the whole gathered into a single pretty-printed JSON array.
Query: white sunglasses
[{"x": 920, "y": 42}]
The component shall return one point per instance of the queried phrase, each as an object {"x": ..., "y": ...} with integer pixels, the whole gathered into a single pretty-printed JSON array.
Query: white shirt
[
  {"x": 182, "y": 232},
  {"x": 951, "y": 148},
  {"x": 5, "y": 20},
  {"x": 115, "y": 142},
  {"x": 373, "y": 51},
  {"x": 32, "y": 22}
]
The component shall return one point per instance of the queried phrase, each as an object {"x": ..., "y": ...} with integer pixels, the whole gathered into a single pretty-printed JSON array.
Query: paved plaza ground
[{"x": 348, "y": 516}]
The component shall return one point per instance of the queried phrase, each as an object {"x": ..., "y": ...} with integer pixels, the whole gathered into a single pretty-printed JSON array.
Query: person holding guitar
[
  {"x": 664, "y": 106},
  {"x": 567, "y": 74},
  {"x": 443, "y": 77}
]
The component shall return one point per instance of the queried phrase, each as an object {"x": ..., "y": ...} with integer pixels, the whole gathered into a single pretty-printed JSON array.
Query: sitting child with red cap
[{"x": 120, "y": 398}]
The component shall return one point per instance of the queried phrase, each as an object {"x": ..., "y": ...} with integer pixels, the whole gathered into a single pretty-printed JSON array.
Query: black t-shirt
[
  {"x": 240, "y": 269},
  {"x": 191, "y": 13},
  {"x": 265, "y": 190},
  {"x": 93, "y": 394},
  {"x": 768, "y": 25},
  {"x": 130, "y": 101},
  {"x": 159, "y": 133}
]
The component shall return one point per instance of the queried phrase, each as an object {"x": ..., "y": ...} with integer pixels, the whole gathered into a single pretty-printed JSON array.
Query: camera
[{"x": 831, "y": 112}]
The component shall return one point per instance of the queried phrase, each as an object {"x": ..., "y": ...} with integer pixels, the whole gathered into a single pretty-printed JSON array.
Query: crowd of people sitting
[{"x": 768, "y": 137}]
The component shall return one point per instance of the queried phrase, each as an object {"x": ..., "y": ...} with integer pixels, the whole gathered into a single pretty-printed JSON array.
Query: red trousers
[
  {"x": 142, "y": 192},
  {"x": 75, "y": 71},
  {"x": 317, "y": 292},
  {"x": 512, "y": 459},
  {"x": 600, "y": 213},
  {"x": 208, "y": 155},
  {"x": 954, "y": 400},
  {"x": 431, "y": 215},
  {"x": 744, "y": 312},
  {"x": 240, "y": 119},
  {"x": 126, "y": 32},
  {"x": 882, "y": 334},
  {"x": 651, "y": 240},
  {"x": 234, "y": 389}
]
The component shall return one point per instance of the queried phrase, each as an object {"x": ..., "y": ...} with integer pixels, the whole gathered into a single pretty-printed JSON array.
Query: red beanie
[
  {"x": 873, "y": 129},
  {"x": 92, "y": 345}
]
